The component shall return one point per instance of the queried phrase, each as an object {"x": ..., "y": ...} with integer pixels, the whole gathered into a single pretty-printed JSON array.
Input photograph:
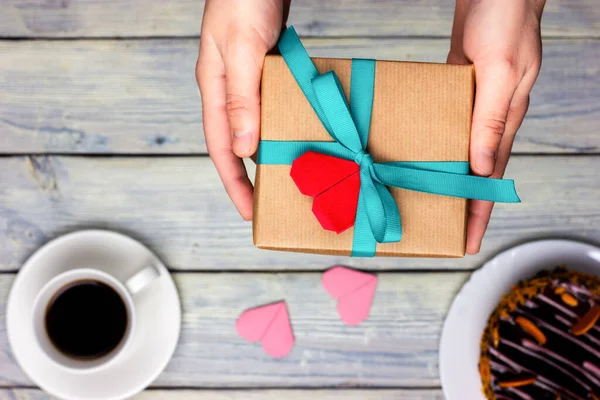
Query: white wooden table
[{"x": 100, "y": 127}]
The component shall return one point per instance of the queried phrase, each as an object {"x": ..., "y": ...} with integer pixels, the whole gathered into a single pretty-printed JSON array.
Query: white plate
[
  {"x": 158, "y": 313},
  {"x": 468, "y": 315}
]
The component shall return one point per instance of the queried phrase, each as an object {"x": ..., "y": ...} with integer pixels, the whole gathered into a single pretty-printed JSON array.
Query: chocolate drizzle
[{"x": 517, "y": 364}]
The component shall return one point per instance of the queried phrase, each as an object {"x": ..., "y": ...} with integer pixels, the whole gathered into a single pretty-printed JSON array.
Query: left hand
[{"x": 503, "y": 41}]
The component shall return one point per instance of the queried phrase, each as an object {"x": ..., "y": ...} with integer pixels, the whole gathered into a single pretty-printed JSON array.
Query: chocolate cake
[{"x": 543, "y": 342}]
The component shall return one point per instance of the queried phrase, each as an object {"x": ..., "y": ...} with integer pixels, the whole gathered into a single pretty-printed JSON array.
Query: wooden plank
[
  {"x": 177, "y": 206},
  {"x": 118, "y": 18},
  {"x": 330, "y": 394},
  {"x": 141, "y": 96},
  {"x": 397, "y": 346}
]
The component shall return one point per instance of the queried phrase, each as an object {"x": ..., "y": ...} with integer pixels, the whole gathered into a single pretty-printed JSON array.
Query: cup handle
[{"x": 142, "y": 278}]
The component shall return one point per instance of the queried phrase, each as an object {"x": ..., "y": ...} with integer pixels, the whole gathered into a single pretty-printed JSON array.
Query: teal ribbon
[{"x": 377, "y": 216}]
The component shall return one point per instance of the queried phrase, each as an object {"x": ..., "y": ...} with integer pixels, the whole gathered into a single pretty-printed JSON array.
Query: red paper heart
[{"x": 334, "y": 183}]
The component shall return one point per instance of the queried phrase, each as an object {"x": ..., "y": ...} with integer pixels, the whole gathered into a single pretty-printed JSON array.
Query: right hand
[
  {"x": 503, "y": 41},
  {"x": 236, "y": 36}
]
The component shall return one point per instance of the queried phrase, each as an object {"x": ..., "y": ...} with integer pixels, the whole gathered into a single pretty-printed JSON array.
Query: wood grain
[
  {"x": 141, "y": 96},
  {"x": 126, "y": 18},
  {"x": 177, "y": 206},
  {"x": 397, "y": 346},
  {"x": 332, "y": 394}
]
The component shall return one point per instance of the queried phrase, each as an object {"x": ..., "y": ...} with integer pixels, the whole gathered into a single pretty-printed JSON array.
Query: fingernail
[
  {"x": 486, "y": 161},
  {"x": 242, "y": 142}
]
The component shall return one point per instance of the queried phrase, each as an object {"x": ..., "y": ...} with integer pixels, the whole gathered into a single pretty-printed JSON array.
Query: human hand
[
  {"x": 503, "y": 41},
  {"x": 236, "y": 35}
]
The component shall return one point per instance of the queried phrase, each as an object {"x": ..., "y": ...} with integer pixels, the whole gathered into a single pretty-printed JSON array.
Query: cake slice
[{"x": 543, "y": 341}]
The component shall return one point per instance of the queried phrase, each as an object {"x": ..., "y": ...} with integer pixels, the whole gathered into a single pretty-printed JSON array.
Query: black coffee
[{"x": 86, "y": 319}]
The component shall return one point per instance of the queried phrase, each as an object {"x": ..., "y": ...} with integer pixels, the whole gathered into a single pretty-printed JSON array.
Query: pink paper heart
[
  {"x": 270, "y": 325},
  {"x": 354, "y": 291}
]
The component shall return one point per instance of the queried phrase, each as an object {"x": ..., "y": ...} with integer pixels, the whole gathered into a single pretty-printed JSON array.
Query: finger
[
  {"x": 210, "y": 73},
  {"x": 477, "y": 222},
  {"x": 495, "y": 87},
  {"x": 456, "y": 56},
  {"x": 516, "y": 114},
  {"x": 286, "y": 13},
  {"x": 243, "y": 68},
  {"x": 480, "y": 211}
]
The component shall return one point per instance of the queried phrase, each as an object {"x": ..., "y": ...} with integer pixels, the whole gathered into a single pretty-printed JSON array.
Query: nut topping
[{"x": 532, "y": 329}]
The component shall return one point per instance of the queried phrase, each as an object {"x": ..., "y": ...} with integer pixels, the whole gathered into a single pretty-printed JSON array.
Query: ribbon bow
[{"x": 377, "y": 215}]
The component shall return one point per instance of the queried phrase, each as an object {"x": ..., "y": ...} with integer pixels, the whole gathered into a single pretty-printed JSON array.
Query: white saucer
[
  {"x": 158, "y": 313},
  {"x": 468, "y": 315}
]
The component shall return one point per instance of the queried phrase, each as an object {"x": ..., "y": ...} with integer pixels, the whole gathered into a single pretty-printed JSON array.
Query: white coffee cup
[{"x": 127, "y": 290}]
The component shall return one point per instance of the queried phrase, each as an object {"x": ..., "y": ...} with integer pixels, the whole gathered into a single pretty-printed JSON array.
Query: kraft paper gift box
[{"x": 420, "y": 112}]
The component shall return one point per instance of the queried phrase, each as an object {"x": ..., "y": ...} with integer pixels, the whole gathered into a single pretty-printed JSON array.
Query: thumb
[
  {"x": 243, "y": 70},
  {"x": 495, "y": 88}
]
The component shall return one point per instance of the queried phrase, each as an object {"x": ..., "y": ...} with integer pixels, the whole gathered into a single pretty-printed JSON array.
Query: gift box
[{"x": 420, "y": 116}]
